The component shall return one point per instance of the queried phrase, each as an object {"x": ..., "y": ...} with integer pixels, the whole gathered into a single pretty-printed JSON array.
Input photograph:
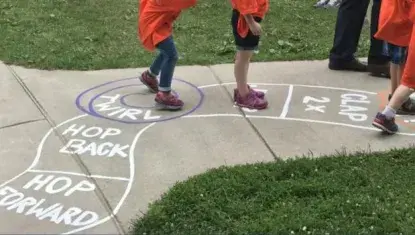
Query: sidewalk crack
[{"x": 257, "y": 132}]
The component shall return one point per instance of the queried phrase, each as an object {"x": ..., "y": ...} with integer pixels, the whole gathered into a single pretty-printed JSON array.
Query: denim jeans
[{"x": 165, "y": 63}]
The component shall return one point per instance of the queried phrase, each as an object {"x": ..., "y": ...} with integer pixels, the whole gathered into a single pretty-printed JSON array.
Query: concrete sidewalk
[{"x": 85, "y": 152}]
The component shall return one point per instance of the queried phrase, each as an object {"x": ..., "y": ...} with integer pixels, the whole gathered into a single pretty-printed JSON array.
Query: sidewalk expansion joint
[
  {"x": 257, "y": 132},
  {"x": 22, "y": 123},
  {"x": 99, "y": 193}
]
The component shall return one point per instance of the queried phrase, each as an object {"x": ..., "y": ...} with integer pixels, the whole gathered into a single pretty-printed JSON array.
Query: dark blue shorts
[
  {"x": 397, "y": 54},
  {"x": 251, "y": 41}
]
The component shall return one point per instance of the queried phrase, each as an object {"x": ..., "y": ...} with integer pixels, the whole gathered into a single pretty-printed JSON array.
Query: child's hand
[{"x": 255, "y": 28}]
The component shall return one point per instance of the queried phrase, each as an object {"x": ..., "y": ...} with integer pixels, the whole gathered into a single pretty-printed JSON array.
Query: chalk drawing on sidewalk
[
  {"x": 63, "y": 183},
  {"x": 351, "y": 108},
  {"x": 116, "y": 101},
  {"x": 122, "y": 102}
]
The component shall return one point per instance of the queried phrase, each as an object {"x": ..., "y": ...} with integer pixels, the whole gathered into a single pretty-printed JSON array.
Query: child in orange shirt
[
  {"x": 155, "y": 27},
  {"x": 396, "y": 26},
  {"x": 246, "y": 18}
]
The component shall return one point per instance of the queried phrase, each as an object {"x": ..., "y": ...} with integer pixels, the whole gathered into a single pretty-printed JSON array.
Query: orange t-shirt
[
  {"x": 156, "y": 19},
  {"x": 395, "y": 22},
  {"x": 257, "y": 8},
  {"x": 396, "y": 25}
]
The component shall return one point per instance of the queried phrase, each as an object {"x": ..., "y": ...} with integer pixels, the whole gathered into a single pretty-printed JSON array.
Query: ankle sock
[
  {"x": 152, "y": 74},
  {"x": 389, "y": 112}
]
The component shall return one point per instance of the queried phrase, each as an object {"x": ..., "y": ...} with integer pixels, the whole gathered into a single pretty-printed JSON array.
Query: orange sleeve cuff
[{"x": 246, "y": 6}]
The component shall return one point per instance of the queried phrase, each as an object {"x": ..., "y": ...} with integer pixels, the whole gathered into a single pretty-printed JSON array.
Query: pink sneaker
[
  {"x": 258, "y": 94},
  {"x": 251, "y": 101},
  {"x": 166, "y": 100},
  {"x": 150, "y": 81}
]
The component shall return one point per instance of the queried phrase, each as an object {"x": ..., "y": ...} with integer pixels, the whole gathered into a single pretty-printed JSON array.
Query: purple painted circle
[
  {"x": 91, "y": 111},
  {"x": 123, "y": 102}
]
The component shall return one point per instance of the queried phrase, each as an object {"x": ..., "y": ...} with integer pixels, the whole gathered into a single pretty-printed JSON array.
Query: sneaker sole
[
  {"x": 379, "y": 126},
  {"x": 149, "y": 87},
  {"x": 168, "y": 107},
  {"x": 402, "y": 112},
  {"x": 259, "y": 96},
  {"x": 245, "y": 106}
]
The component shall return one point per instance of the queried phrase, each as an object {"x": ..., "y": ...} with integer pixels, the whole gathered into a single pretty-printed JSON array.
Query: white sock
[
  {"x": 152, "y": 74},
  {"x": 389, "y": 112}
]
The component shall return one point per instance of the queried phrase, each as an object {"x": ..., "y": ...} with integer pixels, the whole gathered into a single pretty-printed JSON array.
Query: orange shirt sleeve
[
  {"x": 184, "y": 4},
  {"x": 394, "y": 24},
  {"x": 156, "y": 19},
  {"x": 246, "y": 6}
]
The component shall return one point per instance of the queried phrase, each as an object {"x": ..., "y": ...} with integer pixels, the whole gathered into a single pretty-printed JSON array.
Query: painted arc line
[
  {"x": 300, "y": 85},
  {"x": 91, "y": 111},
  {"x": 130, "y": 181},
  {"x": 78, "y": 99},
  {"x": 316, "y": 121},
  {"x": 295, "y": 119},
  {"x": 213, "y": 115},
  {"x": 39, "y": 149},
  {"x": 78, "y": 174},
  {"x": 129, "y": 185},
  {"x": 286, "y": 106},
  {"x": 123, "y": 102}
]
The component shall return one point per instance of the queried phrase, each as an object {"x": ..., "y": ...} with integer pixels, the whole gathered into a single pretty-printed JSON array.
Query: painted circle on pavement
[
  {"x": 119, "y": 110},
  {"x": 124, "y": 100}
]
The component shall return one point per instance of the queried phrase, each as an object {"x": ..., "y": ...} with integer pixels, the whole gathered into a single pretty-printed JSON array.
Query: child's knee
[{"x": 170, "y": 55}]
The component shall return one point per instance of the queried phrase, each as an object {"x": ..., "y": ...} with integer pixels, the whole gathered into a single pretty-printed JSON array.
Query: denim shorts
[{"x": 397, "y": 54}]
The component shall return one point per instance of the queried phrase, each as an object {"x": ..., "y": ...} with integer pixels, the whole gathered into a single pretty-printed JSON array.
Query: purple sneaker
[
  {"x": 387, "y": 125},
  {"x": 150, "y": 81},
  {"x": 166, "y": 100},
  {"x": 251, "y": 101},
  {"x": 258, "y": 94}
]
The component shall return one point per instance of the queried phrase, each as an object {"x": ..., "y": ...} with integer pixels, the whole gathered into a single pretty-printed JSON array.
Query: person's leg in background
[
  {"x": 397, "y": 63},
  {"x": 378, "y": 63},
  {"x": 350, "y": 19}
]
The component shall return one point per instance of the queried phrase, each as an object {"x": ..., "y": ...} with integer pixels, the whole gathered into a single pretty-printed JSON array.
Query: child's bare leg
[
  {"x": 242, "y": 60},
  {"x": 395, "y": 76},
  {"x": 399, "y": 74},
  {"x": 385, "y": 120},
  {"x": 244, "y": 96}
]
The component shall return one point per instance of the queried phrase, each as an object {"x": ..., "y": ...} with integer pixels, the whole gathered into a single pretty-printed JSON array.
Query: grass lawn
[
  {"x": 358, "y": 194},
  {"x": 98, "y": 34}
]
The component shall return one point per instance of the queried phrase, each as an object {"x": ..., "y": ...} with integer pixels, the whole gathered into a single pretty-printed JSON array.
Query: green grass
[
  {"x": 99, "y": 34},
  {"x": 357, "y": 194}
]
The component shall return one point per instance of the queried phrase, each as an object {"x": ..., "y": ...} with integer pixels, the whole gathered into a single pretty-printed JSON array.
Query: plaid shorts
[{"x": 396, "y": 53}]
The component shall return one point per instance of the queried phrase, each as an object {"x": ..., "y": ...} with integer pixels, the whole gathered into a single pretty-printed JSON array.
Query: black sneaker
[
  {"x": 387, "y": 125},
  {"x": 407, "y": 108}
]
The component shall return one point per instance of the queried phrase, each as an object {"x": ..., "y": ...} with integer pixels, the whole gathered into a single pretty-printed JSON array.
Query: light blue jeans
[{"x": 165, "y": 63}]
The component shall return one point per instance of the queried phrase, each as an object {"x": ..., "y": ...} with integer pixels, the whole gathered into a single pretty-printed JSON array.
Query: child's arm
[
  {"x": 254, "y": 26},
  {"x": 249, "y": 19}
]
